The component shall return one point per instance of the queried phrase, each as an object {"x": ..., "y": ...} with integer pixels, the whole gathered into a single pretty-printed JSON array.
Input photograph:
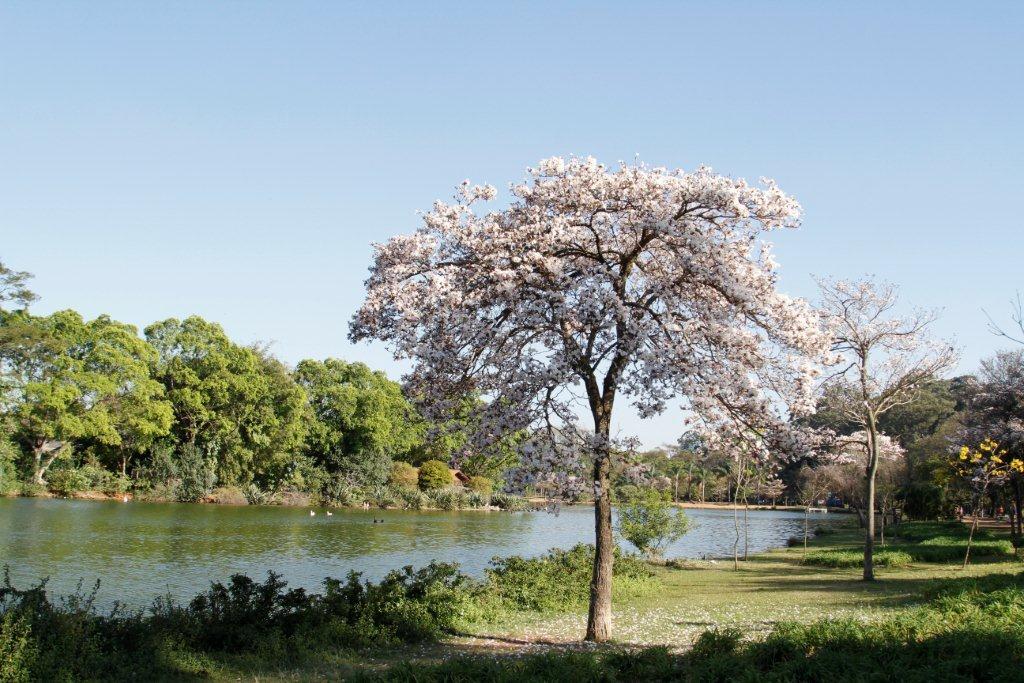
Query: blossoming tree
[
  {"x": 883, "y": 361},
  {"x": 590, "y": 284}
]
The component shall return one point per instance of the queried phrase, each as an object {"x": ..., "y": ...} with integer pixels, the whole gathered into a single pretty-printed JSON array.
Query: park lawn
[{"x": 769, "y": 588}]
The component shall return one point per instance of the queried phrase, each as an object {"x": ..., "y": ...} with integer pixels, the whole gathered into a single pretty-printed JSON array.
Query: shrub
[
  {"x": 196, "y": 475},
  {"x": 339, "y": 491},
  {"x": 403, "y": 475},
  {"x": 434, "y": 474},
  {"x": 254, "y": 495},
  {"x": 850, "y": 558},
  {"x": 650, "y": 523},
  {"x": 67, "y": 482},
  {"x": 480, "y": 484},
  {"x": 560, "y": 579},
  {"x": 449, "y": 498},
  {"x": 507, "y": 501},
  {"x": 383, "y": 497},
  {"x": 16, "y": 651},
  {"x": 412, "y": 499}
]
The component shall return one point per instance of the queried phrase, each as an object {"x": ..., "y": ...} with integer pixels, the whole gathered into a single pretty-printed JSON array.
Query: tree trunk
[
  {"x": 44, "y": 452},
  {"x": 599, "y": 619},
  {"x": 1015, "y": 522},
  {"x": 807, "y": 513},
  {"x": 869, "y": 534},
  {"x": 736, "y": 542},
  {"x": 970, "y": 537},
  {"x": 746, "y": 531}
]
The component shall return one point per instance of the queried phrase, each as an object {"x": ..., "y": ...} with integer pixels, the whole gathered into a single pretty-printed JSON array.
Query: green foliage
[
  {"x": 339, "y": 491},
  {"x": 448, "y": 498},
  {"x": 68, "y": 640},
  {"x": 89, "y": 382},
  {"x": 850, "y": 558},
  {"x": 924, "y": 500},
  {"x": 17, "y": 653},
  {"x": 434, "y": 474},
  {"x": 650, "y": 523},
  {"x": 67, "y": 482},
  {"x": 238, "y": 405},
  {"x": 509, "y": 502},
  {"x": 360, "y": 419},
  {"x": 412, "y": 499},
  {"x": 560, "y": 579},
  {"x": 483, "y": 485},
  {"x": 196, "y": 475},
  {"x": 9, "y": 457},
  {"x": 403, "y": 475}
]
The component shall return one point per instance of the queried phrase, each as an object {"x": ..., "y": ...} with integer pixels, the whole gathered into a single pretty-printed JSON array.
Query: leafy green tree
[
  {"x": 14, "y": 287},
  {"x": 922, "y": 416},
  {"x": 360, "y": 420},
  {"x": 650, "y": 523},
  {"x": 88, "y": 382},
  {"x": 237, "y": 405}
]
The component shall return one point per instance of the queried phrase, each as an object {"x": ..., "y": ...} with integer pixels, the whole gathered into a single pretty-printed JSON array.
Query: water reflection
[{"x": 140, "y": 550}]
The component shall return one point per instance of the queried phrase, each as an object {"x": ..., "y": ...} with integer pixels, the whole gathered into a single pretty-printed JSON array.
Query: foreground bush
[{"x": 69, "y": 640}]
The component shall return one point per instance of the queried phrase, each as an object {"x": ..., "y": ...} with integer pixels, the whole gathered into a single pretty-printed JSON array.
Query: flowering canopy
[{"x": 644, "y": 281}]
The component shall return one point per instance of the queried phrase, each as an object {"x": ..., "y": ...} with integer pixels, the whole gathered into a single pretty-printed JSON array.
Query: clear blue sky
[{"x": 235, "y": 160}]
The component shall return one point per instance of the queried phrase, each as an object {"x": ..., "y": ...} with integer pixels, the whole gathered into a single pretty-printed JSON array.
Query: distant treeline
[{"x": 181, "y": 409}]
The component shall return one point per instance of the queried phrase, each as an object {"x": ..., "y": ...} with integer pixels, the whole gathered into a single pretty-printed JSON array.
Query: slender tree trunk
[
  {"x": 970, "y": 536},
  {"x": 599, "y": 619},
  {"x": 1015, "y": 522},
  {"x": 746, "y": 531},
  {"x": 882, "y": 527},
  {"x": 807, "y": 514},
  {"x": 736, "y": 542},
  {"x": 869, "y": 534}
]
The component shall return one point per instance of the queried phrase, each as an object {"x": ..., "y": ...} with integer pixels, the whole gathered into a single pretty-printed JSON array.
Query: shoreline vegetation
[
  {"x": 234, "y": 496},
  {"x": 786, "y": 614}
]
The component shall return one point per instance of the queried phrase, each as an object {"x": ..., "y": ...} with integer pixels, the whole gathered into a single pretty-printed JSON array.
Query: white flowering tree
[
  {"x": 883, "y": 361},
  {"x": 590, "y": 284}
]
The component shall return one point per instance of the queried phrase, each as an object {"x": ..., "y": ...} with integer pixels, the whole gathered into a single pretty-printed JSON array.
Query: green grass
[
  {"x": 847, "y": 558},
  {"x": 973, "y": 630}
]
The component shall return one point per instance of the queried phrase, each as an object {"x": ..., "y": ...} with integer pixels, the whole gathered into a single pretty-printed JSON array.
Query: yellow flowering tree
[{"x": 981, "y": 467}]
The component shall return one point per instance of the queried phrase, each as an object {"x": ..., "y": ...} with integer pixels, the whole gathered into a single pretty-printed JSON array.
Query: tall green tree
[
  {"x": 87, "y": 381},
  {"x": 360, "y": 422},
  {"x": 238, "y": 405}
]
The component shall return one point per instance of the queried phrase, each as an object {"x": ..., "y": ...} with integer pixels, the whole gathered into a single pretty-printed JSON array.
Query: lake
[{"x": 141, "y": 550}]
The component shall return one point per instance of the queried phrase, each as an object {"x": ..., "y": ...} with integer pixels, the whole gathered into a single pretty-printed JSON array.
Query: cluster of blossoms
[
  {"x": 987, "y": 464},
  {"x": 854, "y": 448},
  {"x": 649, "y": 283}
]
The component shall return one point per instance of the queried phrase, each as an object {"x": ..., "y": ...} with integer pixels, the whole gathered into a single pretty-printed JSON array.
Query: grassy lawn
[{"x": 773, "y": 587}]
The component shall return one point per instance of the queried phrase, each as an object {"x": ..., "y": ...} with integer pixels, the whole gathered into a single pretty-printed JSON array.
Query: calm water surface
[{"x": 140, "y": 550}]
